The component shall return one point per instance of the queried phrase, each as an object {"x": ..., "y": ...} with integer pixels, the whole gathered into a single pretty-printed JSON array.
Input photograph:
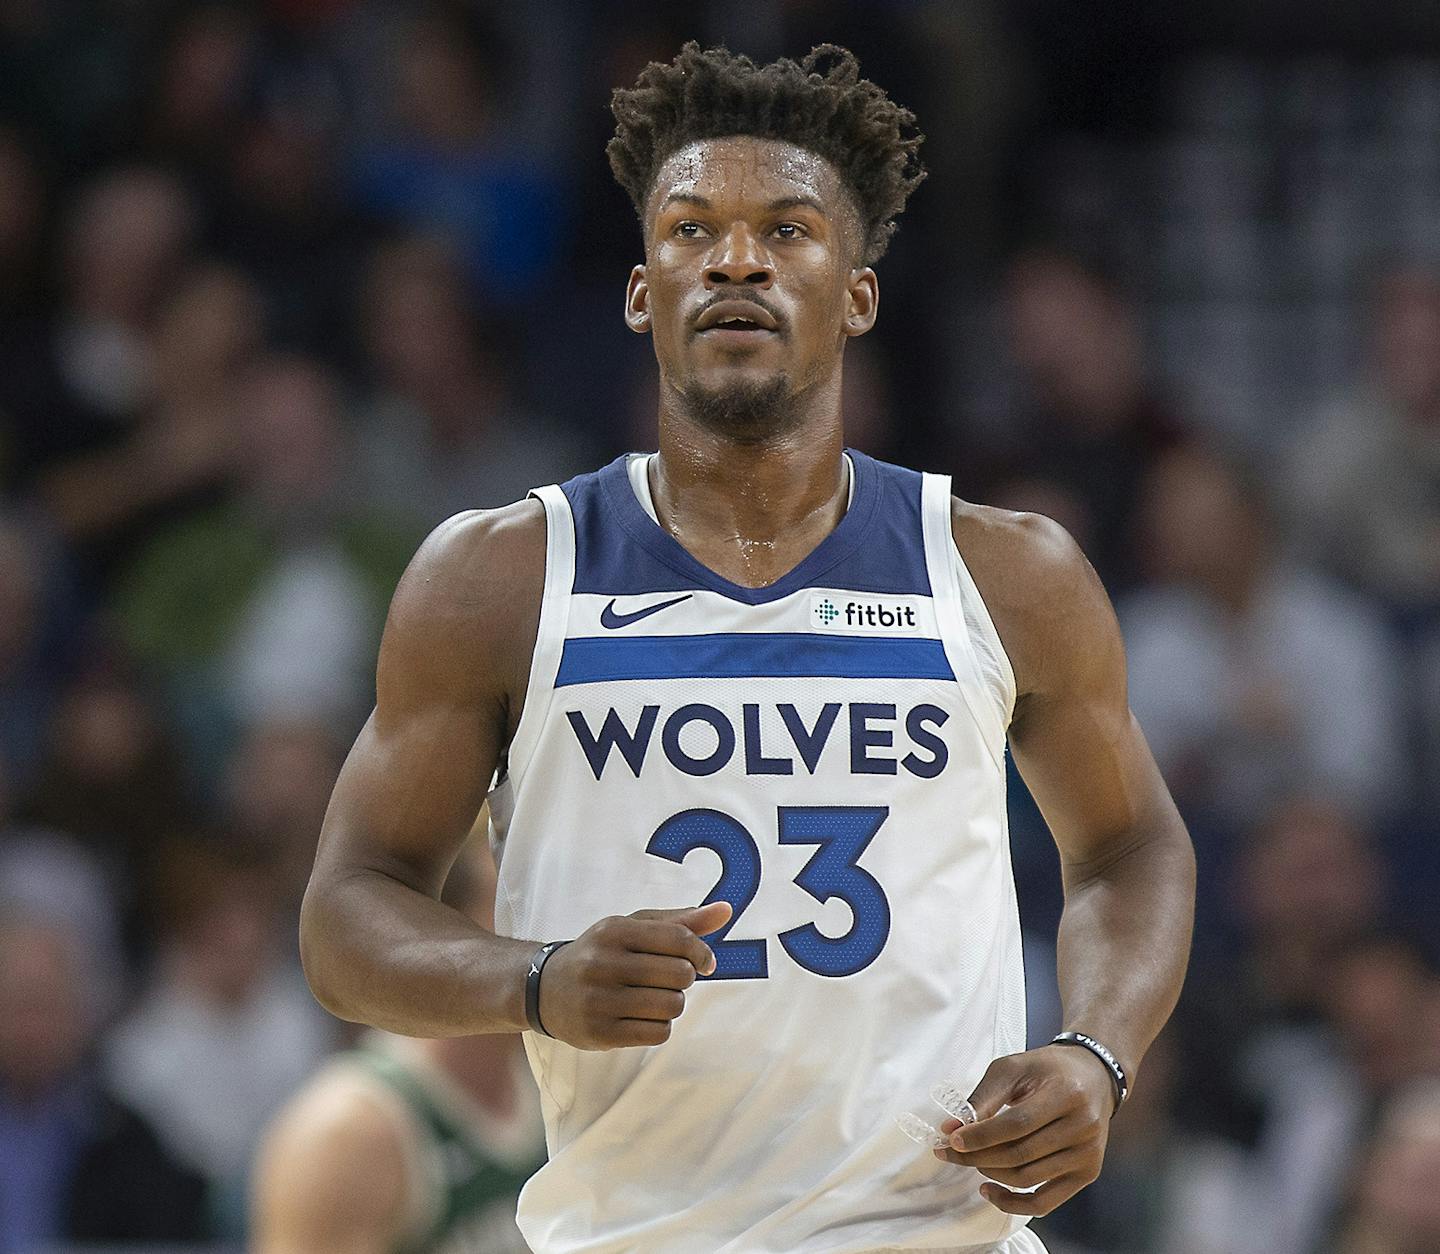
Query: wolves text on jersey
[{"x": 872, "y": 729}]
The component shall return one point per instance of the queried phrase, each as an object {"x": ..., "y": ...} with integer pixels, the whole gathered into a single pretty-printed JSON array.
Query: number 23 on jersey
[{"x": 841, "y": 834}]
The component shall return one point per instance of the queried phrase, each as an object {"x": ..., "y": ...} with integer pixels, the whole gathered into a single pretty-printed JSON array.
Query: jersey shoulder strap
[{"x": 971, "y": 640}]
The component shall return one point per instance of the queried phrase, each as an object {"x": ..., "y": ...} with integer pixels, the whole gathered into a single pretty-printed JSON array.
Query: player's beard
[{"x": 752, "y": 411}]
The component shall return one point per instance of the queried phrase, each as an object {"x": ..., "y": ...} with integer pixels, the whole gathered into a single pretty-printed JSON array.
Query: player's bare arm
[
  {"x": 378, "y": 945},
  {"x": 331, "y": 1177},
  {"x": 1126, "y": 860}
]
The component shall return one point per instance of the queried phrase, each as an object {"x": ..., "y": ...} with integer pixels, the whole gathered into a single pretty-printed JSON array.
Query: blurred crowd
[{"x": 284, "y": 284}]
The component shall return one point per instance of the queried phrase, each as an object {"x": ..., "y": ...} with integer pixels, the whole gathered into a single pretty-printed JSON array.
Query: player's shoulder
[
  {"x": 1044, "y": 597},
  {"x": 334, "y": 1155},
  {"x": 472, "y": 589},
  {"x": 1025, "y": 554},
  {"x": 470, "y": 551}
]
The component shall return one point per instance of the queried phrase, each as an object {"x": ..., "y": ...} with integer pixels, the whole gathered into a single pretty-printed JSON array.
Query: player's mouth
[{"x": 736, "y": 323}]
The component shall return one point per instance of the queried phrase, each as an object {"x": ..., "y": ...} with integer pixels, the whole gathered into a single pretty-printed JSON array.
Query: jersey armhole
[
  {"x": 993, "y": 658},
  {"x": 550, "y": 634},
  {"x": 969, "y": 636}
]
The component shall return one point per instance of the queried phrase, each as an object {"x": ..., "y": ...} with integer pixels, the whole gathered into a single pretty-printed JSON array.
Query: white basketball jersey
[{"x": 827, "y": 754}]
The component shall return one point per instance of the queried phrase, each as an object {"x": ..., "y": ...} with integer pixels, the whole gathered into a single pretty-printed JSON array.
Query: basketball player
[
  {"x": 406, "y": 1146},
  {"x": 761, "y": 673}
]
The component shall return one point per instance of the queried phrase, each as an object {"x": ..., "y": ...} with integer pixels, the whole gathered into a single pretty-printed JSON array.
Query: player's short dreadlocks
[{"x": 831, "y": 111}]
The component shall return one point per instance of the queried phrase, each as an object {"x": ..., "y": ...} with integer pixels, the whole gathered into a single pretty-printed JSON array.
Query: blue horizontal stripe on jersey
[{"x": 737, "y": 655}]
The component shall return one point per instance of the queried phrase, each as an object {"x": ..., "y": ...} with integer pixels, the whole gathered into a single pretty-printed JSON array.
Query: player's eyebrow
[
  {"x": 688, "y": 198},
  {"x": 792, "y": 202},
  {"x": 782, "y": 202}
]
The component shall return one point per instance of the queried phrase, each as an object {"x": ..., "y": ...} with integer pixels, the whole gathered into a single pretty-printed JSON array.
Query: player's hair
[{"x": 827, "y": 109}]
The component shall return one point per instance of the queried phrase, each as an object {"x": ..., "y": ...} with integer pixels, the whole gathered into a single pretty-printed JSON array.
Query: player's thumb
[
  {"x": 702, "y": 920},
  {"x": 997, "y": 1087}
]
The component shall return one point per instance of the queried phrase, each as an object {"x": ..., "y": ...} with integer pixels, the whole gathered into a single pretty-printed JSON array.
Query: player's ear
[
  {"x": 637, "y": 302},
  {"x": 863, "y": 301}
]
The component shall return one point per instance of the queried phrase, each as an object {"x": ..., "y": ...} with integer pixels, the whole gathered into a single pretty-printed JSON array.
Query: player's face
[{"x": 752, "y": 280}]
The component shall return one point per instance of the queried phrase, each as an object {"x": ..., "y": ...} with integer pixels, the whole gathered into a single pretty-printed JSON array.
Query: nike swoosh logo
[{"x": 611, "y": 620}]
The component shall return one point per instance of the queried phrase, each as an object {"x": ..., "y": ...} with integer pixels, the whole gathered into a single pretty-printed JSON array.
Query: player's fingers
[
  {"x": 1041, "y": 1202},
  {"x": 1061, "y": 1134},
  {"x": 708, "y": 918},
  {"x": 668, "y": 938},
  {"x": 1031, "y": 1113},
  {"x": 1074, "y": 1161},
  {"x": 998, "y": 1086},
  {"x": 648, "y": 1003},
  {"x": 702, "y": 920},
  {"x": 641, "y": 1032},
  {"x": 655, "y": 971}
]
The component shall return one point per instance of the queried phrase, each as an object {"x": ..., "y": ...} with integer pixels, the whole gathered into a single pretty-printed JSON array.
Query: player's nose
[{"x": 739, "y": 257}]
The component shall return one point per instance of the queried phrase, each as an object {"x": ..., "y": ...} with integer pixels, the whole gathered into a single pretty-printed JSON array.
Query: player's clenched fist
[{"x": 621, "y": 981}]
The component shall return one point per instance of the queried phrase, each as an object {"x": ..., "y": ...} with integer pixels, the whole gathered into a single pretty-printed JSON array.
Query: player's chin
[{"x": 750, "y": 371}]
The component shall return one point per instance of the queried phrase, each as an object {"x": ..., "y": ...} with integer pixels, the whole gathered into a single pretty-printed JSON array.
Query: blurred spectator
[
  {"x": 22, "y": 214},
  {"x": 1378, "y": 995},
  {"x": 280, "y": 213},
  {"x": 1308, "y": 884},
  {"x": 197, "y": 85},
  {"x": 125, "y": 236},
  {"x": 445, "y": 432},
  {"x": 1397, "y": 1197},
  {"x": 226, "y": 1028},
  {"x": 275, "y": 792},
  {"x": 1091, "y": 423},
  {"x": 80, "y": 394},
  {"x": 448, "y": 164},
  {"x": 110, "y": 774},
  {"x": 47, "y": 875},
  {"x": 26, "y": 672},
  {"x": 1364, "y": 484},
  {"x": 270, "y": 605},
  {"x": 1251, "y": 674},
  {"x": 207, "y": 333},
  {"x": 1262, "y": 1074},
  {"x": 75, "y": 1163}
]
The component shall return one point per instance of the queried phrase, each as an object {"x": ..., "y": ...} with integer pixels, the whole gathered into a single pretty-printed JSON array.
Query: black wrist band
[
  {"x": 1112, "y": 1064},
  {"x": 532, "y": 985}
]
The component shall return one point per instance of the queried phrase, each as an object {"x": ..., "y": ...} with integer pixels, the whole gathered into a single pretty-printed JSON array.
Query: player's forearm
[
  {"x": 377, "y": 951},
  {"x": 1125, "y": 940}
]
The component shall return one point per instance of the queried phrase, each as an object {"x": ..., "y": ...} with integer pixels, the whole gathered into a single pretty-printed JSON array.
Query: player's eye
[
  {"x": 790, "y": 230},
  {"x": 688, "y": 230}
]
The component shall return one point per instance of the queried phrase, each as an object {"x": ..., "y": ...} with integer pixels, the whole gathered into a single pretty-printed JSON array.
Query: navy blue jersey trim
[
  {"x": 878, "y": 546},
  {"x": 660, "y": 544},
  {"x": 597, "y": 659},
  {"x": 606, "y": 559}
]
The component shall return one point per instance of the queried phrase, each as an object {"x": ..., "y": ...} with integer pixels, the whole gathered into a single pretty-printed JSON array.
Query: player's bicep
[
  {"x": 408, "y": 794},
  {"x": 418, "y": 773},
  {"x": 1074, "y": 739}
]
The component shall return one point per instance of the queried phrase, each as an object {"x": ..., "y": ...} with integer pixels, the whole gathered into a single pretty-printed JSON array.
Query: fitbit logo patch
[{"x": 864, "y": 616}]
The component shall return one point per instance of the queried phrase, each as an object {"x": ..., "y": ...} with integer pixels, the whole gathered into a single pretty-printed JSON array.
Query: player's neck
[{"x": 751, "y": 512}]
